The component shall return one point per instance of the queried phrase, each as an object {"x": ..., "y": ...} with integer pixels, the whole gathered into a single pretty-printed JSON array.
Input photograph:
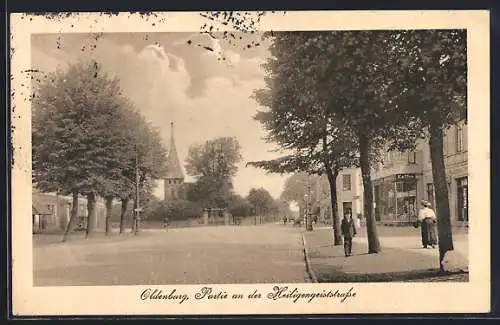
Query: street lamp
[
  {"x": 308, "y": 209},
  {"x": 137, "y": 209}
]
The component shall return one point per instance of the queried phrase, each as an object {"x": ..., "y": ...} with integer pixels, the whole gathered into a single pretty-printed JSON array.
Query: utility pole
[
  {"x": 56, "y": 212},
  {"x": 137, "y": 205}
]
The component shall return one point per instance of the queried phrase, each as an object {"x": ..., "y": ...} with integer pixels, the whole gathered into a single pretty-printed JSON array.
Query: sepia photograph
[{"x": 296, "y": 165}]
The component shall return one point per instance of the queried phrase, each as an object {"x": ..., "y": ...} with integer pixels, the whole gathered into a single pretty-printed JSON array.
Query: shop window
[{"x": 406, "y": 186}]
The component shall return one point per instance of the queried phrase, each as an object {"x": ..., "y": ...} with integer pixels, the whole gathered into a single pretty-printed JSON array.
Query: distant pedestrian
[
  {"x": 427, "y": 220},
  {"x": 285, "y": 219},
  {"x": 348, "y": 229},
  {"x": 358, "y": 221}
]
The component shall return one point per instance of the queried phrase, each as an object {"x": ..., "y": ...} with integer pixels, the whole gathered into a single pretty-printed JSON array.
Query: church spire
[
  {"x": 172, "y": 138},
  {"x": 174, "y": 169}
]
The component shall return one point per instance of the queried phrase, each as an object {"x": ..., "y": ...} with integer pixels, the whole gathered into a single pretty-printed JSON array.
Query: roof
[
  {"x": 40, "y": 209},
  {"x": 174, "y": 168},
  {"x": 41, "y": 201}
]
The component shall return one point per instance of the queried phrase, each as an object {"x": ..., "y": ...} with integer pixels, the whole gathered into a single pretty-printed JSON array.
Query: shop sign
[{"x": 403, "y": 177}]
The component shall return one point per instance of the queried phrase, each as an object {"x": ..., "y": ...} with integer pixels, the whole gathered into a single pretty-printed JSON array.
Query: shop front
[{"x": 396, "y": 198}]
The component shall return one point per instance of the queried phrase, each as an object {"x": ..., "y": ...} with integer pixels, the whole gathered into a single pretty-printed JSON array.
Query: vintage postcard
[{"x": 226, "y": 163}]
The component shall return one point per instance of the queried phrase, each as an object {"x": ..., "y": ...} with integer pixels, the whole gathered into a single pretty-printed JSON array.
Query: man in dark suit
[{"x": 348, "y": 229}]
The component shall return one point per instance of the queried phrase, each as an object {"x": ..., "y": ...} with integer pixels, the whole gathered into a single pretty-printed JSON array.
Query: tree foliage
[
  {"x": 176, "y": 210},
  {"x": 388, "y": 87},
  {"x": 213, "y": 164},
  {"x": 75, "y": 143},
  {"x": 261, "y": 201},
  {"x": 239, "y": 207},
  {"x": 85, "y": 138}
]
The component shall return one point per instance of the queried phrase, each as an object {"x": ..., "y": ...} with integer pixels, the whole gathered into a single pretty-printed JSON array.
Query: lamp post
[
  {"x": 137, "y": 209},
  {"x": 308, "y": 209}
]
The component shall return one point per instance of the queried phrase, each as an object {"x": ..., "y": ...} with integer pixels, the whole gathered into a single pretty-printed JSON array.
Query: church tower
[{"x": 174, "y": 180}]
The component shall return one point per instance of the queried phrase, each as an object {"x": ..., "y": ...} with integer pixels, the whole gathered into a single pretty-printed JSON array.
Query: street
[{"x": 225, "y": 254}]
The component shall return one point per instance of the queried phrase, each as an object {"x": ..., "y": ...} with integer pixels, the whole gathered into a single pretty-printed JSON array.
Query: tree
[
  {"x": 295, "y": 187},
  {"x": 347, "y": 72},
  {"x": 145, "y": 154},
  {"x": 213, "y": 164},
  {"x": 74, "y": 143},
  {"x": 85, "y": 134},
  {"x": 282, "y": 208},
  {"x": 182, "y": 210},
  {"x": 349, "y": 63},
  {"x": 306, "y": 163},
  {"x": 431, "y": 74},
  {"x": 297, "y": 117},
  {"x": 261, "y": 201},
  {"x": 239, "y": 207},
  {"x": 352, "y": 76}
]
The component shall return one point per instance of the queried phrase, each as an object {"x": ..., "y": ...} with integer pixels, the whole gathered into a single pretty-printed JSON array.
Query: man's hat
[{"x": 426, "y": 203}]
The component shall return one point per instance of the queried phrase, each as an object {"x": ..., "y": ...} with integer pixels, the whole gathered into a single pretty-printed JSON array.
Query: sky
[{"x": 170, "y": 80}]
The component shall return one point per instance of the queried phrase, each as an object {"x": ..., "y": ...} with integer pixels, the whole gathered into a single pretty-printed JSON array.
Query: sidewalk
[{"x": 401, "y": 259}]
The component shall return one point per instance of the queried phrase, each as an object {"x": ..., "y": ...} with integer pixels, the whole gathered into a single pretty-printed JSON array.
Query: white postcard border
[{"x": 470, "y": 297}]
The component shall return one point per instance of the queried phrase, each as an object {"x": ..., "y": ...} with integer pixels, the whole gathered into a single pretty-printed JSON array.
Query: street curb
[{"x": 309, "y": 270}]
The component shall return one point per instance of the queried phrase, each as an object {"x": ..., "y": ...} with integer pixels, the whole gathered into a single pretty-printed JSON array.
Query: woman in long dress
[{"x": 427, "y": 219}]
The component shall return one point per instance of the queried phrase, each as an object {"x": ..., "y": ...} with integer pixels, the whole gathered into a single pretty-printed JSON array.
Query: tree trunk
[
  {"x": 90, "y": 214},
  {"x": 109, "y": 210},
  {"x": 123, "y": 215},
  {"x": 441, "y": 190},
  {"x": 73, "y": 218},
  {"x": 332, "y": 179},
  {"x": 371, "y": 228}
]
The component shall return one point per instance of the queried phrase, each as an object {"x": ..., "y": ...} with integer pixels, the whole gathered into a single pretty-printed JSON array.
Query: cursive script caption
[{"x": 277, "y": 293}]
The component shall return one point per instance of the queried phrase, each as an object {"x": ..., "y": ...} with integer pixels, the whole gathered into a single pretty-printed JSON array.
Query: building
[
  {"x": 456, "y": 164},
  {"x": 402, "y": 180},
  {"x": 350, "y": 191},
  {"x": 398, "y": 186},
  {"x": 405, "y": 178},
  {"x": 349, "y": 194},
  {"x": 174, "y": 186},
  {"x": 51, "y": 212}
]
